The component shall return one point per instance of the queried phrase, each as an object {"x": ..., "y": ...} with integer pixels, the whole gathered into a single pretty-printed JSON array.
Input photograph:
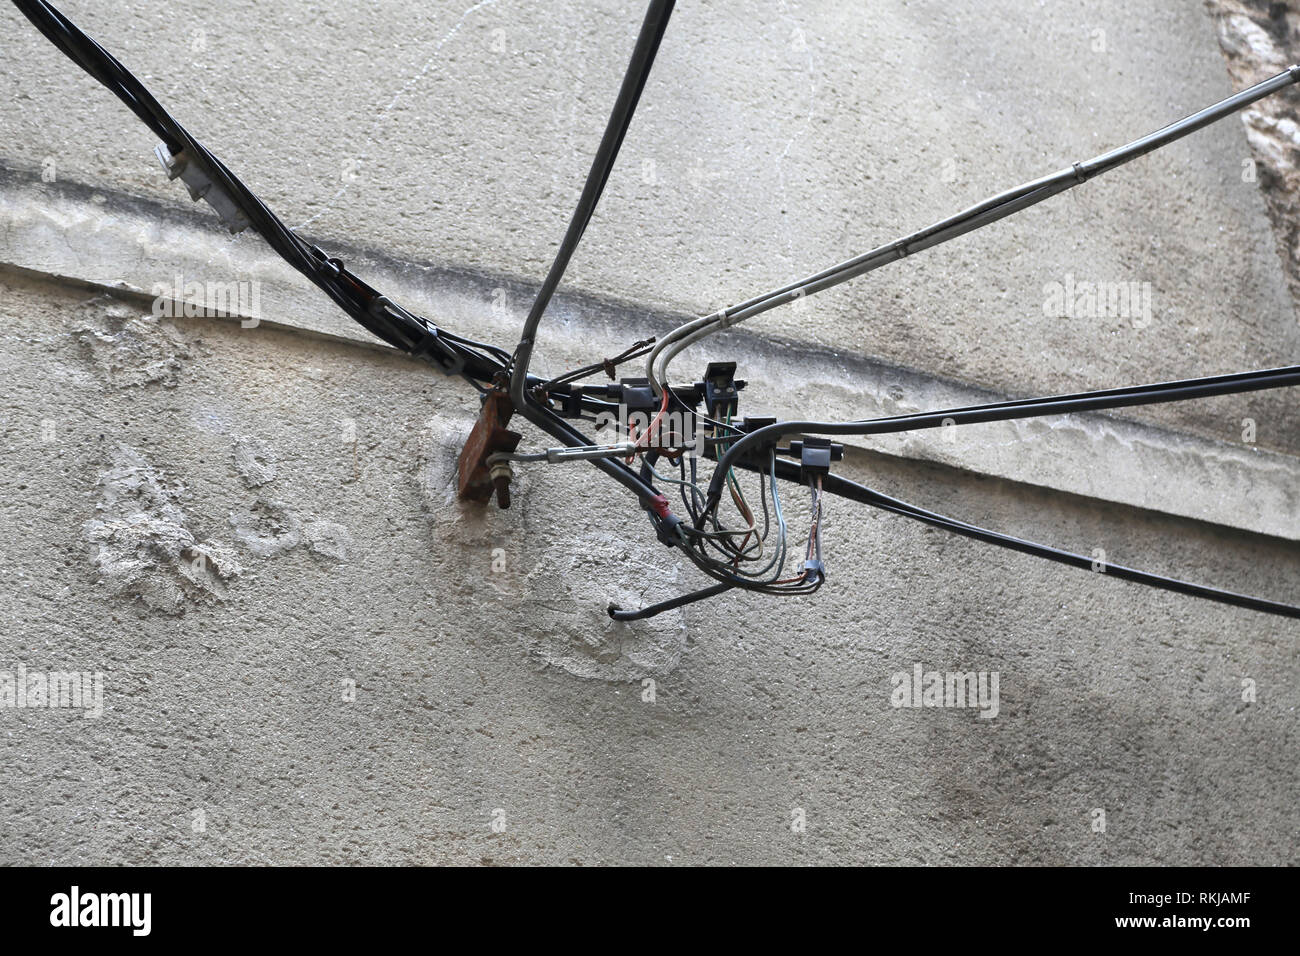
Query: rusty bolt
[{"x": 501, "y": 473}]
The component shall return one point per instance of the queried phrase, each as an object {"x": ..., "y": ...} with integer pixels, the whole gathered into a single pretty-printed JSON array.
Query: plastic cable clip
[{"x": 202, "y": 187}]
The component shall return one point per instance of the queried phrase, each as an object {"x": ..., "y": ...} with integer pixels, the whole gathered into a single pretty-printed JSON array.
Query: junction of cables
[{"x": 710, "y": 481}]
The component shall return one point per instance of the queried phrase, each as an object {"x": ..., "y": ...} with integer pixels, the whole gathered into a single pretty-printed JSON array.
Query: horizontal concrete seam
[{"x": 23, "y": 196}]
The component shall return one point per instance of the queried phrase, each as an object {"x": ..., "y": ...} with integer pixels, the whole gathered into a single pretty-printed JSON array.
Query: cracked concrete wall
[
  {"x": 313, "y": 653},
  {"x": 1260, "y": 38}
]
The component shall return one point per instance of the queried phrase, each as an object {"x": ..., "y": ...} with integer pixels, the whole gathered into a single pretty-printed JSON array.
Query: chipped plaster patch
[
  {"x": 253, "y": 461},
  {"x": 128, "y": 348},
  {"x": 141, "y": 545},
  {"x": 328, "y": 539},
  {"x": 567, "y": 624},
  {"x": 267, "y": 528},
  {"x": 272, "y": 528},
  {"x": 561, "y": 616}
]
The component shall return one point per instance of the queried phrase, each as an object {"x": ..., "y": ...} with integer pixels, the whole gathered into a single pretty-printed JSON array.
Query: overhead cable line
[
  {"x": 739, "y": 557},
  {"x": 974, "y": 217}
]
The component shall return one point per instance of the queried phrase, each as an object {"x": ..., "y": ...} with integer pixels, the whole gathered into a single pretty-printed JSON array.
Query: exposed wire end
[{"x": 619, "y": 614}]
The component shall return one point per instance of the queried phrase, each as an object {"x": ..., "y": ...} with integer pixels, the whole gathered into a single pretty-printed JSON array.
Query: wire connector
[
  {"x": 668, "y": 525},
  {"x": 815, "y": 456},
  {"x": 590, "y": 452},
  {"x": 202, "y": 187},
  {"x": 721, "y": 389}
]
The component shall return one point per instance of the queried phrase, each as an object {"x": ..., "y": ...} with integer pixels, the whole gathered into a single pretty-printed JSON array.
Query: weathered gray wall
[{"x": 314, "y": 473}]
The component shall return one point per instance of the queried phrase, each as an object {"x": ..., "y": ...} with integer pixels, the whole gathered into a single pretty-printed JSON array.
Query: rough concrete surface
[
  {"x": 312, "y": 652},
  {"x": 1260, "y": 38}
]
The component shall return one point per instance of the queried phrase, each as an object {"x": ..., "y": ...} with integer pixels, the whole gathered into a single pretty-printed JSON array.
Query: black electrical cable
[
  {"x": 619, "y": 614},
  {"x": 855, "y": 492},
  {"x": 844, "y": 488},
  {"x": 634, "y": 79},
  {"x": 1176, "y": 391},
  {"x": 375, "y": 312},
  {"x": 643, "y": 54}
]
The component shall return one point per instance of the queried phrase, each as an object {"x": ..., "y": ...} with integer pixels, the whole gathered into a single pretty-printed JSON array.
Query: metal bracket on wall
[{"x": 489, "y": 436}]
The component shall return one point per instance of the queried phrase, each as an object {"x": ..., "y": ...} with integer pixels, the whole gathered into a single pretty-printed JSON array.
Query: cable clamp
[
  {"x": 437, "y": 352},
  {"x": 332, "y": 264},
  {"x": 815, "y": 456},
  {"x": 201, "y": 186}
]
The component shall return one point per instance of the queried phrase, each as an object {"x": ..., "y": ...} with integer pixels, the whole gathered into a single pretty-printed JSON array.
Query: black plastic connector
[
  {"x": 815, "y": 455},
  {"x": 635, "y": 394},
  {"x": 570, "y": 403},
  {"x": 747, "y": 426},
  {"x": 721, "y": 389},
  {"x": 837, "y": 450},
  {"x": 753, "y": 423},
  {"x": 667, "y": 531}
]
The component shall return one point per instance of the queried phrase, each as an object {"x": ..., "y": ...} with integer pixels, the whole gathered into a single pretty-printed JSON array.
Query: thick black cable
[
  {"x": 856, "y": 492},
  {"x": 619, "y": 614},
  {"x": 853, "y": 491},
  {"x": 367, "y": 306},
  {"x": 643, "y": 54},
  {"x": 1177, "y": 391},
  {"x": 620, "y": 118}
]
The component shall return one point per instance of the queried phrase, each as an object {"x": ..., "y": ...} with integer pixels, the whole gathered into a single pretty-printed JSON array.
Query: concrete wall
[{"x": 236, "y": 525}]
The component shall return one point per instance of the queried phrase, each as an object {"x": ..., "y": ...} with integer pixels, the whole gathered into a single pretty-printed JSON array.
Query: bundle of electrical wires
[
  {"x": 742, "y": 556},
  {"x": 474, "y": 361},
  {"x": 740, "y": 552}
]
